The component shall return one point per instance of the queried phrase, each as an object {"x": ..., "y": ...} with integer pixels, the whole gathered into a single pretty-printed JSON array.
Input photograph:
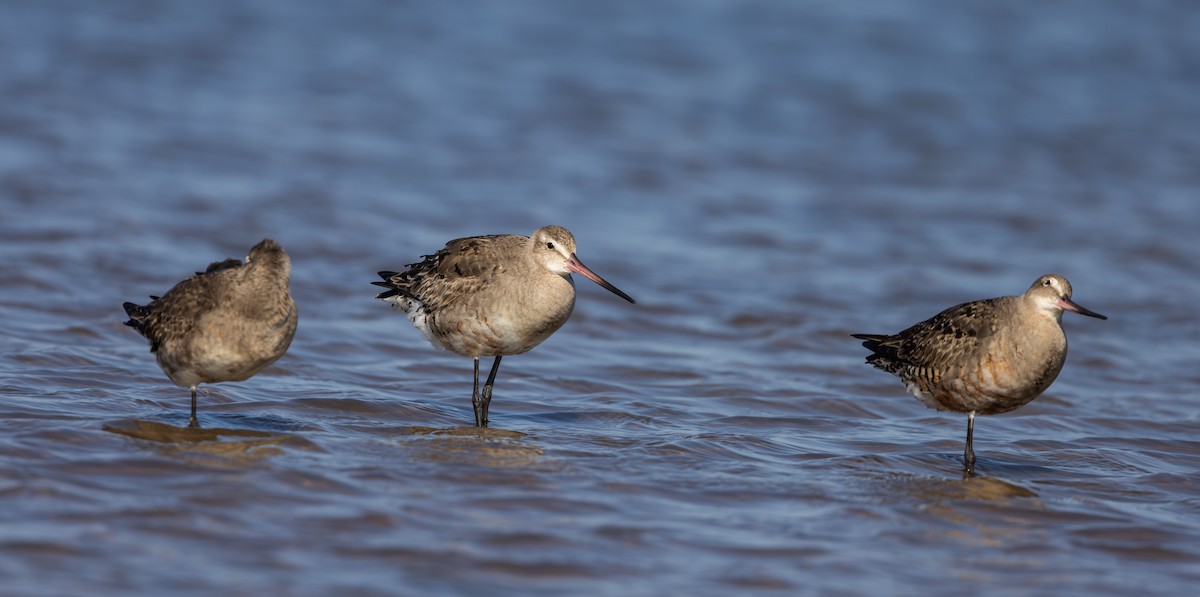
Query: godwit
[
  {"x": 493, "y": 295},
  {"x": 983, "y": 357},
  {"x": 224, "y": 324}
]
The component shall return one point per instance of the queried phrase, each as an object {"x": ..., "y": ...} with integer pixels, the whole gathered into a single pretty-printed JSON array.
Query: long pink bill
[
  {"x": 577, "y": 266},
  {"x": 1070, "y": 305}
]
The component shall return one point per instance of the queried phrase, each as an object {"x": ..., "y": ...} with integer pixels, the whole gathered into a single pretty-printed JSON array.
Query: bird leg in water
[
  {"x": 192, "y": 422},
  {"x": 481, "y": 401},
  {"x": 487, "y": 389},
  {"x": 969, "y": 452},
  {"x": 477, "y": 400}
]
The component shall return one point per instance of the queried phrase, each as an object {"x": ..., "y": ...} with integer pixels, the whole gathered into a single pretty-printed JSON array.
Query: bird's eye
[
  {"x": 550, "y": 246},
  {"x": 1046, "y": 283}
]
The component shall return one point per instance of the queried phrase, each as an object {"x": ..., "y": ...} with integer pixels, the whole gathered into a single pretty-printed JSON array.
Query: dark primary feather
[
  {"x": 136, "y": 314},
  {"x": 392, "y": 288},
  {"x": 873, "y": 342}
]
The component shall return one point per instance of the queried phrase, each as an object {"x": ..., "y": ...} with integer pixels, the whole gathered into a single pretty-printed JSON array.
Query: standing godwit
[
  {"x": 224, "y": 324},
  {"x": 983, "y": 357},
  {"x": 493, "y": 295}
]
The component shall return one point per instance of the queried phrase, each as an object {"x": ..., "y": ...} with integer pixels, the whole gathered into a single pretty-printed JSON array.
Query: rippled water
[{"x": 764, "y": 177}]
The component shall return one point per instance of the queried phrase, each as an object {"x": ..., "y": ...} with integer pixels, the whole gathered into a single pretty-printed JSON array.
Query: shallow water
[{"x": 765, "y": 178}]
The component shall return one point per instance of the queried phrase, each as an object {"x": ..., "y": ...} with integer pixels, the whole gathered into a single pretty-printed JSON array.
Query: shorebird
[
  {"x": 223, "y": 324},
  {"x": 983, "y": 357},
  {"x": 494, "y": 295}
]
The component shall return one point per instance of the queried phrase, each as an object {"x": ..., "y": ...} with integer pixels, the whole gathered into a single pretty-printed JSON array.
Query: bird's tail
[
  {"x": 137, "y": 316},
  {"x": 393, "y": 289}
]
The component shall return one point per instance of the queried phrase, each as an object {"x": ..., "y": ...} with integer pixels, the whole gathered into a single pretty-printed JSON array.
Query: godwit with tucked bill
[
  {"x": 984, "y": 357},
  {"x": 495, "y": 295},
  {"x": 223, "y": 324}
]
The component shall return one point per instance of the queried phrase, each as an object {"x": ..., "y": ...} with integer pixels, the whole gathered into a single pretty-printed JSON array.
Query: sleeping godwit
[
  {"x": 983, "y": 357},
  {"x": 224, "y": 324},
  {"x": 493, "y": 295}
]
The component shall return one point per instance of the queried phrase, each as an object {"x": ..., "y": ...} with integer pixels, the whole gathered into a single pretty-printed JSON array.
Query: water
[{"x": 764, "y": 177}]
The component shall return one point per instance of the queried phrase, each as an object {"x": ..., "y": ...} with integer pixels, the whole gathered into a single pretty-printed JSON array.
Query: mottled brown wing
[
  {"x": 464, "y": 267},
  {"x": 936, "y": 342},
  {"x": 179, "y": 309},
  {"x": 461, "y": 268},
  {"x": 475, "y": 257}
]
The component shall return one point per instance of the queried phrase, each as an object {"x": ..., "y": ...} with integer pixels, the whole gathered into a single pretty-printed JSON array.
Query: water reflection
[
  {"x": 993, "y": 489},
  {"x": 482, "y": 446},
  {"x": 949, "y": 490},
  {"x": 213, "y": 446}
]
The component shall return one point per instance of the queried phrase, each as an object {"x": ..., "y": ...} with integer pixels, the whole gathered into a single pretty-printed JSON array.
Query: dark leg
[
  {"x": 477, "y": 400},
  {"x": 487, "y": 389},
  {"x": 969, "y": 452},
  {"x": 192, "y": 422}
]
